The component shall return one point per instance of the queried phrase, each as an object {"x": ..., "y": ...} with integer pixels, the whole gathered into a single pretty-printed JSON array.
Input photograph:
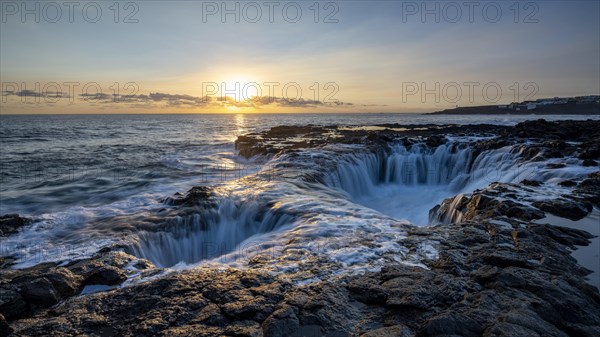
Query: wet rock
[
  {"x": 534, "y": 183},
  {"x": 591, "y": 153},
  {"x": 11, "y": 223},
  {"x": 484, "y": 204},
  {"x": 210, "y": 315},
  {"x": 435, "y": 141},
  {"x": 12, "y": 304},
  {"x": 504, "y": 329},
  {"x": 65, "y": 282},
  {"x": 6, "y": 261},
  {"x": 40, "y": 292},
  {"x": 496, "y": 273},
  {"x": 106, "y": 275},
  {"x": 450, "y": 323},
  {"x": 5, "y": 329},
  {"x": 244, "y": 329},
  {"x": 589, "y": 188},
  {"x": 104, "y": 269},
  {"x": 589, "y": 163},
  {"x": 567, "y": 236},
  {"x": 390, "y": 331},
  {"x": 367, "y": 290},
  {"x": 568, "y": 183},
  {"x": 196, "y": 196},
  {"x": 282, "y": 323},
  {"x": 563, "y": 208}
]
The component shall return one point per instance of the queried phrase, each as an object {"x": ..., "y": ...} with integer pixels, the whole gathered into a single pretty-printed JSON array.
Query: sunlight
[{"x": 239, "y": 86}]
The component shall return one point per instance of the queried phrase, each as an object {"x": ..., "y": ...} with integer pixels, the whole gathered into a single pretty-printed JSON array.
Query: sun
[{"x": 240, "y": 86}]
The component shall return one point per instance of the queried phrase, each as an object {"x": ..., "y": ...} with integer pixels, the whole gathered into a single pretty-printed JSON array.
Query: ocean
[{"x": 90, "y": 181}]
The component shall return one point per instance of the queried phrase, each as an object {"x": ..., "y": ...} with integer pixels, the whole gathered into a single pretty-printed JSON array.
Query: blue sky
[{"x": 375, "y": 52}]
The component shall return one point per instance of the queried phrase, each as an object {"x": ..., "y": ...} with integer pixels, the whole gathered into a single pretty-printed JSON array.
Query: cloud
[
  {"x": 189, "y": 101},
  {"x": 165, "y": 100},
  {"x": 31, "y": 93}
]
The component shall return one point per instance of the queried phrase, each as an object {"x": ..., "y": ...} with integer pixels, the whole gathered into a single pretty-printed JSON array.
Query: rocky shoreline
[{"x": 501, "y": 270}]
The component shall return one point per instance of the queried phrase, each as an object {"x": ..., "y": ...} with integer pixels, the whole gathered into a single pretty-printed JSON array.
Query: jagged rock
[
  {"x": 105, "y": 269},
  {"x": 495, "y": 274},
  {"x": 282, "y": 323},
  {"x": 590, "y": 153},
  {"x": 484, "y": 204},
  {"x": 567, "y": 236},
  {"x": 106, "y": 275},
  {"x": 12, "y": 304},
  {"x": 589, "y": 188},
  {"x": 65, "y": 282},
  {"x": 24, "y": 292},
  {"x": 568, "y": 183},
  {"x": 40, "y": 292},
  {"x": 11, "y": 223},
  {"x": 390, "y": 331},
  {"x": 451, "y": 323},
  {"x": 196, "y": 196},
  {"x": 368, "y": 291},
  {"x": 534, "y": 183},
  {"x": 210, "y": 315},
  {"x": 563, "y": 208},
  {"x": 435, "y": 141},
  {"x": 5, "y": 329}
]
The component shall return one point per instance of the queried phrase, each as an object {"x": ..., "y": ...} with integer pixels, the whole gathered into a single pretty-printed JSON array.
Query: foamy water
[{"x": 354, "y": 216}]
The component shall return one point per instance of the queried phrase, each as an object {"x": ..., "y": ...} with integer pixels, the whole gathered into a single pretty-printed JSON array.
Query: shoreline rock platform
[{"x": 501, "y": 269}]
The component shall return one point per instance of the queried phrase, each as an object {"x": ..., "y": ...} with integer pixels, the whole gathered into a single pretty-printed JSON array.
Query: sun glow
[{"x": 239, "y": 86}]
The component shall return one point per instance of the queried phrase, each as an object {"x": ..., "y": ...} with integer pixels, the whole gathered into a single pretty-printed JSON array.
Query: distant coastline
[{"x": 584, "y": 105}]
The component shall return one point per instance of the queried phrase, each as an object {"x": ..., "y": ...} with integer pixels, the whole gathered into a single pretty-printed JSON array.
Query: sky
[{"x": 293, "y": 56}]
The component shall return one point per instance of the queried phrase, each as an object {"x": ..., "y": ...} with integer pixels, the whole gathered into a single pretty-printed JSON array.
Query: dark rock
[
  {"x": 244, "y": 329},
  {"x": 503, "y": 329},
  {"x": 390, "y": 331},
  {"x": 435, "y": 141},
  {"x": 40, "y": 292},
  {"x": 282, "y": 323},
  {"x": 6, "y": 261},
  {"x": 65, "y": 282},
  {"x": 106, "y": 275},
  {"x": 11, "y": 223},
  {"x": 5, "y": 329},
  {"x": 563, "y": 208},
  {"x": 563, "y": 235},
  {"x": 12, "y": 304},
  {"x": 210, "y": 315},
  {"x": 568, "y": 183},
  {"x": 196, "y": 196},
  {"x": 589, "y": 163},
  {"x": 495, "y": 274},
  {"x": 451, "y": 323},
  {"x": 534, "y": 183},
  {"x": 592, "y": 153},
  {"x": 482, "y": 204},
  {"x": 367, "y": 290},
  {"x": 505, "y": 258},
  {"x": 105, "y": 269},
  {"x": 589, "y": 188}
]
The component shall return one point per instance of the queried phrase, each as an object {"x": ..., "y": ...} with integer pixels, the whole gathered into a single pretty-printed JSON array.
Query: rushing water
[{"x": 95, "y": 180}]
